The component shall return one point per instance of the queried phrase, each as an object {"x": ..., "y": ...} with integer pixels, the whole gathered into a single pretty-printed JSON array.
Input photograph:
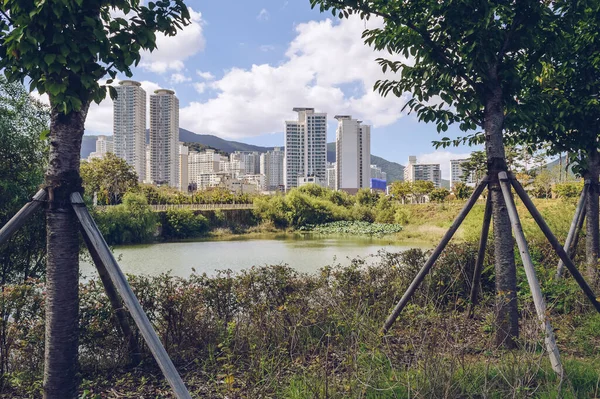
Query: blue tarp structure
[{"x": 378, "y": 184}]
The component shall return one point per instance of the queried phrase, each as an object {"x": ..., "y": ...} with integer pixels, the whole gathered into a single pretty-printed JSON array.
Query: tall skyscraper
[
  {"x": 352, "y": 154},
  {"x": 183, "y": 167},
  {"x": 104, "y": 144},
  {"x": 414, "y": 171},
  {"x": 129, "y": 125},
  {"x": 306, "y": 148},
  {"x": 164, "y": 137},
  {"x": 271, "y": 166},
  {"x": 456, "y": 173}
]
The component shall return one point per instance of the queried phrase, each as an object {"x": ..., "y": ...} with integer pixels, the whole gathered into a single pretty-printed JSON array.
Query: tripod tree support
[
  {"x": 435, "y": 255},
  {"x": 97, "y": 242},
  {"x": 485, "y": 230},
  {"x": 21, "y": 217},
  {"x": 120, "y": 312},
  {"x": 573, "y": 231},
  {"x": 555, "y": 244},
  {"x": 534, "y": 284}
]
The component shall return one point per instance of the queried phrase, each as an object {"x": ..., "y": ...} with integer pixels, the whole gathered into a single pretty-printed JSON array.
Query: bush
[
  {"x": 131, "y": 222},
  {"x": 184, "y": 223},
  {"x": 568, "y": 190}
]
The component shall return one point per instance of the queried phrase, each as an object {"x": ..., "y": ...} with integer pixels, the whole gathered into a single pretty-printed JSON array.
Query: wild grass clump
[{"x": 274, "y": 332}]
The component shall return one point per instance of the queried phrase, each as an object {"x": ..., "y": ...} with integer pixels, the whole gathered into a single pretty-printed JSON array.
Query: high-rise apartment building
[
  {"x": 331, "y": 170},
  {"x": 414, "y": 171},
  {"x": 377, "y": 173},
  {"x": 129, "y": 125},
  {"x": 352, "y": 154},
  {"x": 204, "y": 163},
  {"x": 104, "y": 145},
  {"x": 164, "y": 137},
  {"x": 457, "y": 173},
  {"x": 271, "y": 166},
  {"x": 305, "y": 148},
  {"x": 183, "y": 167}
]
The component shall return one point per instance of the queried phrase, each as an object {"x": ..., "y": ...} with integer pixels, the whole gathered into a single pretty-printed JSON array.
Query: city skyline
[{"x": 289, "y": 56}]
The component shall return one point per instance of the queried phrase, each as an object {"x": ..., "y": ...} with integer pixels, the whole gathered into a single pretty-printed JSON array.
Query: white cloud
[
  {"x": 266, "y": 47},
  {"x": 323, "y": 57},
  {"x": 206, "y": 75},
  {"x": 200, "y": 87},
  {"x": 179, "y": 78},
  {"x": 100, "y": 117},
  {"x": 443, "y": 158},
  {"x": 263, "y": 15},
  {"x": 172, "y": 51}
]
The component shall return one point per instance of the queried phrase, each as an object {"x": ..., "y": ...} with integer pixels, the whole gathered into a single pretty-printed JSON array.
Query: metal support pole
[
  {"x": 436, "y": 253},
  {"x": 555, "y": 244},
  {"x": 96, "y": 241},
  {"x": 534, "y": 284},
  {"x": 485, "y": 230},
  {"x": 21, "y": 217},
  {"x": 573, "y": 231}
]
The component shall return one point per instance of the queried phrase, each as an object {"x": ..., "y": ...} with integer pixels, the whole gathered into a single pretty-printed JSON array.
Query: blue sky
[{"x": 241, "y": 66}]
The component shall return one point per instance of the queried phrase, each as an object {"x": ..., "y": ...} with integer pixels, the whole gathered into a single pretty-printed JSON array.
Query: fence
[{"x": 195, "y": 207}]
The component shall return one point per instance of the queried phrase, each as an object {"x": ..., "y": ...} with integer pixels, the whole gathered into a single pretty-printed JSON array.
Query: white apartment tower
[
  {"x": 352, "y": 154},
  {"x": 414, "y": 171},
  {"x": 129, "y": 125},
  {"x": 164, "y": 137},
  {"x": 271, "y": 166},
  {"x": 183, "y": 167},
  {"x": 104, "y": 145},
  {"x": 456, "y": 173},
  {"x": 305, "y": 147}
]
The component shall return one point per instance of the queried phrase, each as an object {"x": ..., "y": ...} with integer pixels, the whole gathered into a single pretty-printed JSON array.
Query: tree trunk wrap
[
  {"x": 507, "y": 317},
  {"x": 592, "y": 225},
  {"x": 62, "y": 270}
]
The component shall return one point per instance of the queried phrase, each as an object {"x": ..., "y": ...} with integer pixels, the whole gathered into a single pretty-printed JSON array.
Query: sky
[{"x": 241, "y": 66}]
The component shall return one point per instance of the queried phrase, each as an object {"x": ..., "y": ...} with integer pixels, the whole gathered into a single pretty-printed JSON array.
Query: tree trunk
[
  {"x": 507, "y": 317},
  {"x": 62, "y": 270},
  {"x": 592, "y": 224}
]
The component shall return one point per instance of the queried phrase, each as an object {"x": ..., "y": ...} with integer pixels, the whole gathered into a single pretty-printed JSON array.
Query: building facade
[
  {"x": 104, "y": 145},
  {"x": 414, "y": 171},
  {"x": 331, "y": 175},
  {"x": 457, "y": 173},
  {"x": 377, "y": 173},
  {"x": 129, "y": 125},
  {"x": 271, "y": 166},
  {"x": 184, "y": 180},
  {"x": 164, "y": 138},
  {"x": 305, "y": 147},
  {"x": 352, "y": 154}
]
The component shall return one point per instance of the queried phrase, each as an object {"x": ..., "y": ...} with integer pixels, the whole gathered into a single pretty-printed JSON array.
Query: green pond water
[{"x": 305, "y": 253}]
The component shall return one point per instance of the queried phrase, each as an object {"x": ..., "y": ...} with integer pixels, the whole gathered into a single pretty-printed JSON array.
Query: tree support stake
[
  {"x": 21, "y": 217},
  {"x": 97, "y": 242},
  {"x": 555, "y": 244},
  {"x": 435, "y": 255},
  {"x": 534, "y": 284},
  {"x": 573, "y": 231},
  {"x": 485, "y": 230}
]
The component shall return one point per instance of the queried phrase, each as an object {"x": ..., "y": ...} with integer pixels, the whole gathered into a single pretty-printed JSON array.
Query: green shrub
[
  {"x": 131, "y": 222},
  {"x": 568, "y": 190},
  {"x": 184, "y": 223}
]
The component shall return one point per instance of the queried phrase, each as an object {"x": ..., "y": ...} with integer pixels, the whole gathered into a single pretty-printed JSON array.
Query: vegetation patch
[{"x": 354, "y": 228}]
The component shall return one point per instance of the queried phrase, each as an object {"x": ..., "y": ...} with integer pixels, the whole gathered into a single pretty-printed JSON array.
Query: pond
[{"x": 305, "y": 253}]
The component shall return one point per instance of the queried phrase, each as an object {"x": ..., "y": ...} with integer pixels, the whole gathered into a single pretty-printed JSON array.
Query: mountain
[{"x": 394, "y": 170}]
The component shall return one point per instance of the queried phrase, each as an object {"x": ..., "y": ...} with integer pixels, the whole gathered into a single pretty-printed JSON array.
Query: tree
[
  {"x": 22, "y": 153},
  {"x": 64, "y": 48},
  {"x": 562, "y": 107},
  {"x": 461, "y": 63},
  {"x": 111, "y": 177},
  {"x": 462, "y": 191},
  {"x": 421, "y": 188},
  {"x": 439, "y": 195},
  {"x": 475, "y": 166},
  {"x": 401, "y": 189}
]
